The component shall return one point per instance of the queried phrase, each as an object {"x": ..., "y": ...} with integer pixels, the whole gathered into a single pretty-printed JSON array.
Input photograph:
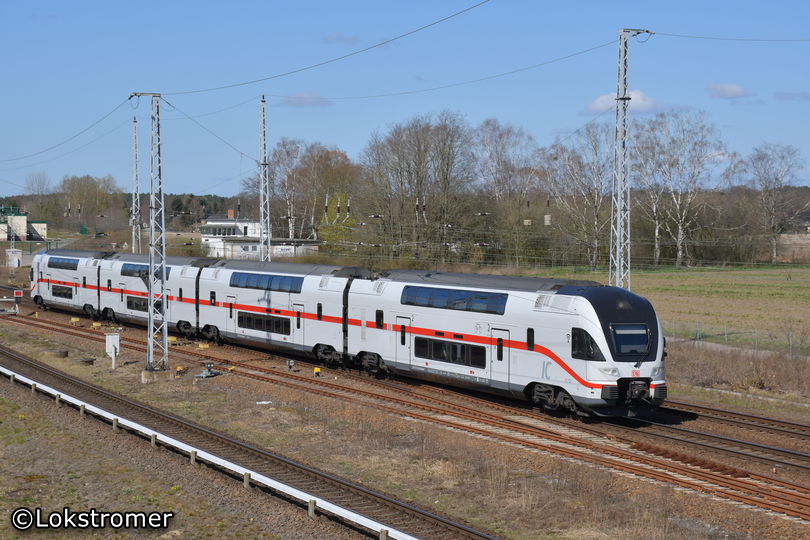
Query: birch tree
[{"x": 772, "y": 169}]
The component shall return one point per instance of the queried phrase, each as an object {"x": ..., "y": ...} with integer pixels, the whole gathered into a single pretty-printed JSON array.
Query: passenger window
[
  {"x": 380, "y": 322},
  {"x": 530, "y": 339},
  {"x": 583, "y": 346}
]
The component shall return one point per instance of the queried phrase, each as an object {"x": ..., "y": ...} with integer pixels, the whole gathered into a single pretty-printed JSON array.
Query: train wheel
[
  {"x": 211, "y": 333},
  {"x": 185, "y": 328},
  {"x": 325, "y": 354},
  {"x": 90, "y": 311},
  {"x": 108, "y": 314}
]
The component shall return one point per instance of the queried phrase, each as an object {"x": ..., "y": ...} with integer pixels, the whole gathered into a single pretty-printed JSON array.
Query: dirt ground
[{"x": 518, "y": 493}]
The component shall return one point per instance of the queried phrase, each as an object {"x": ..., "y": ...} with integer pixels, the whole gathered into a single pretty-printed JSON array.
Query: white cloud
[
  {"x": 640, "y": 103},
  {"x": 339, "y": 37},
  {"x": 312, "y": 99},
  {"x": 727, "y": 91}
]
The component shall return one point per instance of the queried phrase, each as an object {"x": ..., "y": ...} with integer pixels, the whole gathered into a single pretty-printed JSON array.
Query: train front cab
[{"x": 622, "y": 345}]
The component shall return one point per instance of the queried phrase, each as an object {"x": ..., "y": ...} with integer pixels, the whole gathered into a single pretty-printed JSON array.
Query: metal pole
[
  {"x": 620, "y": 212},
  {"x": 135, "y": 211},
  {"x": 158, "y": 329},
  {"x": 265, "y": 226}
]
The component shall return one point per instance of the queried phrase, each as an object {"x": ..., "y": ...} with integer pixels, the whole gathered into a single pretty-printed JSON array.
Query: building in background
[
  {"x": 229, "y": 237},
  {"x": 14, "y": 221}
]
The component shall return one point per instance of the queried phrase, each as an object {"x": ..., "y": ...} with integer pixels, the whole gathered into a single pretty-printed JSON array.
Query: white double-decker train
[{"x": 560, "y": 344}]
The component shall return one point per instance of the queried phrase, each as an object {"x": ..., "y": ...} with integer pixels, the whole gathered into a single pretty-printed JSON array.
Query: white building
[{"x": 231, "y": 238}]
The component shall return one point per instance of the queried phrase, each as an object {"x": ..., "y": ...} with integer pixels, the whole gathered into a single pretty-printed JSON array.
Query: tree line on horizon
[{"x": 434, "y": 188}]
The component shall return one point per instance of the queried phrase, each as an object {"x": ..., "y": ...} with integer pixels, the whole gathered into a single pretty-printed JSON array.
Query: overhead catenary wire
[
  {"x": 57, "y": 145},
  {"x": 331, "y": 60},
  {"x": 221, "y": 139}
]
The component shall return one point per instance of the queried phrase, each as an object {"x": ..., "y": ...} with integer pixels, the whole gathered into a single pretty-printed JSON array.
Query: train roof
[
  {"x": 78, "y": 253},
  {"x": 303, "y": 269},
  {"x": 128, "y": 257},
  {"x": 485, "y": 281}
]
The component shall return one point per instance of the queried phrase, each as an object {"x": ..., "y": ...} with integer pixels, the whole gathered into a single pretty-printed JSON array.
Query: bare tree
[
  {"x": 681, "y": 150},
  {"x": 772, "y": 168},
  {"x": 580, "y": 179},
  {"x": 38, "y": 185},
  {"x": 284, "y": 160}
]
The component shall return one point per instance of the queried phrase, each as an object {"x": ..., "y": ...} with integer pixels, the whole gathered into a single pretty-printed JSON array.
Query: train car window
[
  {"x": 478, "y": 302},
  {"x": 263, "y": 323},
  {"x": 63, "y": 263},
  {"x": 478, "y": 356},
  {"x": 62, "y": 292},
  {"x": 379, "y": 321},
  {"x": 420, "y": 348},
  {"x": 451, "y": 352},
  {"x": 265, "y": 281},
  {"x": 320, "y": 312},
  {"x": 440, "y": 298},
  {"x": 285, "y": 284},
  {"x": 583, "y": 346},
  {"x": 109, "y": 285},
  {"x": 421, "y": 296},
  {"x": 253, "y": 281},
  {"x": 213, "y": 298},
  {"x": 137, "y": 303},
  {"x": 500, "y": 348},
  {"x": 459, "y": 300},
  {"x": 297, "y": 285},
  {"x": 530, "y": 339},
  {"x": 402, "y": 334}
]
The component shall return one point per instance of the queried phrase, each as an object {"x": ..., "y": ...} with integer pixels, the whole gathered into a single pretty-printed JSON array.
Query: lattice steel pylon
[
  {"x": 135, "y": 210},
  {"x": 620, "y": 211},
  {"x": 265, "y": 226},
  {"x": 158, "y": 329}
]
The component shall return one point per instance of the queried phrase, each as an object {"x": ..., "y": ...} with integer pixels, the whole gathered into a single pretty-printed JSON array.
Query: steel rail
[{"x": 413, "y": 513}]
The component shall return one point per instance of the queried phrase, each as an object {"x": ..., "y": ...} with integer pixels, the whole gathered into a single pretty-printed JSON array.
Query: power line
[
  {"x": 331, "y": 60},
  {"x": 718, "y": 38},
  {"x": 69, "y": 138},
  {"x": 209, "y": 131},
  {"x": 103, "y": 135},
  {"x": 472, "y": 81}
]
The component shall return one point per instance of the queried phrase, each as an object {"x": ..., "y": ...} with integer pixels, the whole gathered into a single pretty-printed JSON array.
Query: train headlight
[
  {"x": 610, "y": 371},
  {"x": 657, "y": 372}
]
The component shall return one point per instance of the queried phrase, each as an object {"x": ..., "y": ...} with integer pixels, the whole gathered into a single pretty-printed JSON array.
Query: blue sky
[{"x": 67, "y": 64}]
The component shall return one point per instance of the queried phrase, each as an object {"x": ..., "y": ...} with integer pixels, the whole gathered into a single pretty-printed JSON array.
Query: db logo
[{"x": 635, "y": 373}]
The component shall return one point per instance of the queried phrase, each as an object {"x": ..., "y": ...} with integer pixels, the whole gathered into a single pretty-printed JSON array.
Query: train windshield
[{"x": 631, "y": 339}]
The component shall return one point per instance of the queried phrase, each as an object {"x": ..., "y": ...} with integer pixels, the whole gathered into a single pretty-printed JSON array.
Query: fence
[{"x": 792, "y": 341}]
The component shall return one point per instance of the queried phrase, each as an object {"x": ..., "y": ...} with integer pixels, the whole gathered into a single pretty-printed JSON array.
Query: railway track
[
  {"x": 652, "y": 462},
  {"x": 415, "y": 522},
  {"x": 748, "y": 421}
]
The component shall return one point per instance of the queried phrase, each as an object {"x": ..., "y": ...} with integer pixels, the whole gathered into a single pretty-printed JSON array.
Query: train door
[
  {"x": 298, "y": 324},
  {"x": 499, "y": 357},
  {"x": 230, "y": 319},
  {"x": 403, "y": 346}
]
